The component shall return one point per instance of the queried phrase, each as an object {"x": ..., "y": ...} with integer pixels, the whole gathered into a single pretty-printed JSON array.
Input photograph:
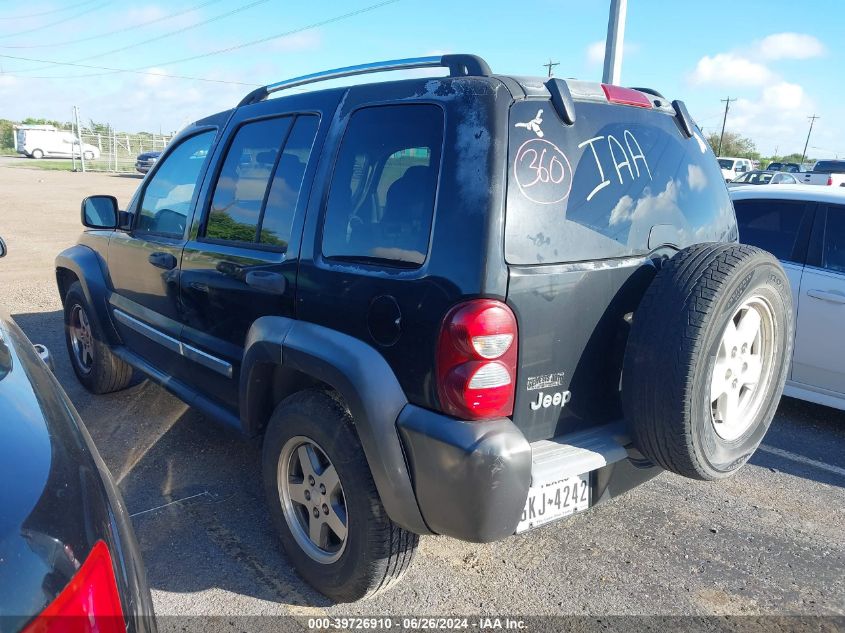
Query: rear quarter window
[
  {"x": 381, "y": 201},
  {"x": 598, "y": 188}
]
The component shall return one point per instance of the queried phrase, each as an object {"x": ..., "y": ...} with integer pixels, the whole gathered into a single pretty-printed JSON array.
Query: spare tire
[{"x": 707, "y": 358}]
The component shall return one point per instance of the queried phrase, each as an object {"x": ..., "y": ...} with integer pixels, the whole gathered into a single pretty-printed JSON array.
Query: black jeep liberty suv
[{"x": 464, "y": 305}]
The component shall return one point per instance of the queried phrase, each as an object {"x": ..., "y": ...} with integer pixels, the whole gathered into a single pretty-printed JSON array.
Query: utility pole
[
  {"x": 613, "y": 47},
  {"x": 727, "y": 103},
  {"x": 79, "y": 138},
  {"x": 812, "y": 120},
  {"x": 551, "y": 65}
]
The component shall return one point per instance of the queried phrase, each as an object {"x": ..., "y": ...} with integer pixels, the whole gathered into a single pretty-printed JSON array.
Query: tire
[
  {"x": 94, "y": 364},
  {"x": 376, "y": 552},
  {"x": 88, "y": 155},
  {"x": 688, "y": 378},
  {"x": 36, "y": 154}
]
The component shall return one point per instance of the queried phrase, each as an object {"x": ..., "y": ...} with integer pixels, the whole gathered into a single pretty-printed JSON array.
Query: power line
[
  {"x": 62, "y": 21},
  {"x": 727, "y": 103},
  {"x": 263, "y": 40},
  {"x": 160, "y": 37},
  {"x": 42, "y": 13},
  {"x": 116, "y": 31},
  {"x": 115, "y": 70}
]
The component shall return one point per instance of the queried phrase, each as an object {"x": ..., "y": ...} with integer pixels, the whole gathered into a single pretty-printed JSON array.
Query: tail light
[
  {"x": 830, "y": 181},
  {"x": 626, "y": 96},
  {"x": 476, "y": 360},
  {"x": 89, "y": 604}
]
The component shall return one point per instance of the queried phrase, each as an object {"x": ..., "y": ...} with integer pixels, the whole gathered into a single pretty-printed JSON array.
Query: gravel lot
[{"x": 768, "y": 541}]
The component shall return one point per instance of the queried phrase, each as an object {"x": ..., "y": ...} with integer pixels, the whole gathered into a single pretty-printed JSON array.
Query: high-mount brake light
[
  {"x": 476, "y": 360},
  {"x": 90, "y": 603},
  {"x": 626, "y": 96}
]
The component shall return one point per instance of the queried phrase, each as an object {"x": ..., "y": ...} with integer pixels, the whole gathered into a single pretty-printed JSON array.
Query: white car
[
  {"x": 45, "y": 141},
  {"x": 733, "y": 167},
  {"x": 804, "y": 227}
]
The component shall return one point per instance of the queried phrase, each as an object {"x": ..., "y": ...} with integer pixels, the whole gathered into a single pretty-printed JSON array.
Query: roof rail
[{"x": 458, "y": 65}]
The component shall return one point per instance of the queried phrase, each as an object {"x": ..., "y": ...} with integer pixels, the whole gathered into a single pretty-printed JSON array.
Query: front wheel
[
  {"x": 36, "y": 154},
  {"x": 94, "y": 364},
  {"x": 88, "y": 155},
  {"x": 324, "y": 502}
]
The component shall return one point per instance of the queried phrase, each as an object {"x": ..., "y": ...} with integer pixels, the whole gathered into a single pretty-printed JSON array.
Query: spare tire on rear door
[{"x": 707, "y": 358}]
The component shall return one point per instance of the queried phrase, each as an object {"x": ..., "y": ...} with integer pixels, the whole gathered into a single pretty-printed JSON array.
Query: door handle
[
  {"x": 267, "y": 281},
  {"x": 162, "y": 260},
  {"x": 832, "y": 297}
]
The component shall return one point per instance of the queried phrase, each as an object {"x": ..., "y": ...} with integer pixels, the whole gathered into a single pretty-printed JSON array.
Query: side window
[
  {"x": 167, "y": 197},
  {"x": 286, "y": 186},
  {"x": 381, "y": 201},
  {"x": 235, "y": 211},
  {"x": 773, "y": 225},
  {"x": 833, "y": 254}
]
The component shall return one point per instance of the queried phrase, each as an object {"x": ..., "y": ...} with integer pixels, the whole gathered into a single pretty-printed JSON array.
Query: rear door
[
  {"x": 819, "y": 359},
  {"x": 241, "y": 261}
]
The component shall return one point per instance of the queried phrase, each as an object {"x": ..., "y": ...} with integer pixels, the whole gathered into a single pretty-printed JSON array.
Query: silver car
[{"x": 805, "y": 228}]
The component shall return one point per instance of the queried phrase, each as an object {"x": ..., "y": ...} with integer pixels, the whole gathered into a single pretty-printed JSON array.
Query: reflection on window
[
  {"x": 239, "y": 194},
  {"x": 167, "y": 198},
  {"x": 287, "y": 183}
]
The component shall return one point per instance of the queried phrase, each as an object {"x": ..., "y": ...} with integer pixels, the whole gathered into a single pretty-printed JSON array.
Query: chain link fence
[{"x": 106, "y": 149}]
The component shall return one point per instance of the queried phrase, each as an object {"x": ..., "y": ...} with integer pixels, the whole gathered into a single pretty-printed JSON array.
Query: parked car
[
  {"x": 45, "y": 141},
  {"x": 144, "y": 162},
  {"x": 826, "y": 172},
  {"x": 68, "y": 556},
  {"x": 764, "y": 178},
  {"x": 409, "y": 290},
  {"x": 793, "y": 168},
  {"x": 733, "y": 167},
  {"x": 805, "y": 228}
]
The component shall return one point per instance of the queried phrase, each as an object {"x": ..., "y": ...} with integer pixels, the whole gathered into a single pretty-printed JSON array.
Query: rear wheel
[
  {"x": 324, "y": 502},
  {"x": 707, "y": 359},
  {"x": 94, "y": 364},
  {"x": 88, "y": 155}
]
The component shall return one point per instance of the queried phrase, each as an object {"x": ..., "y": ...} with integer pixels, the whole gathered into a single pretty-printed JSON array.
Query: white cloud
[
  {"x": 696, "y": 178},
  {"x": 789, "y": 46},
  {"x": 730, "y": 69},
  {"x": 154, "y": 79},
  {"x": 595, "y": 53}
]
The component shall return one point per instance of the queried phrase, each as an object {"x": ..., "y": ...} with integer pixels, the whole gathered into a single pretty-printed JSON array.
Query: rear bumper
[{"x": 471, "y": 479}]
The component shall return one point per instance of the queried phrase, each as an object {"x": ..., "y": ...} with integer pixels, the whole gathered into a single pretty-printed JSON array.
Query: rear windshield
[
  {"x": 726, "y": 163},
  {"x": 600, "y": 188},
  {"x": 830, "y": 167}
]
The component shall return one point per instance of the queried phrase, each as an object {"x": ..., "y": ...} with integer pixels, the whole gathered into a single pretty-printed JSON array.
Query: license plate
[{"x": 554, "y": 500}]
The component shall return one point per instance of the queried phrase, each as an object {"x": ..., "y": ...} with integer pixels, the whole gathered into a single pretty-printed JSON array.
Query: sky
[{"x": 778, "y": 58}]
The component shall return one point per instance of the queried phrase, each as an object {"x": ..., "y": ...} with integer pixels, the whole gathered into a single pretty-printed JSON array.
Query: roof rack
[{"x": 458, "y": 65}]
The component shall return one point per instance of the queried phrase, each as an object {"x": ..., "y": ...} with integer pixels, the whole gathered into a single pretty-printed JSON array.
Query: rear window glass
[
  {"x": 830, "y": 167},
  {"x": 724, "y": 163},
  {"x": 598, "y": 189},
  {"x": 381, "y": 201}
]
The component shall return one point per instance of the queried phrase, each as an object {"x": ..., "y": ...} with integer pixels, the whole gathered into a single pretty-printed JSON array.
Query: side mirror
[
  {"x": 2, "y": 248},
  {"x": 100, "y": 212}
]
